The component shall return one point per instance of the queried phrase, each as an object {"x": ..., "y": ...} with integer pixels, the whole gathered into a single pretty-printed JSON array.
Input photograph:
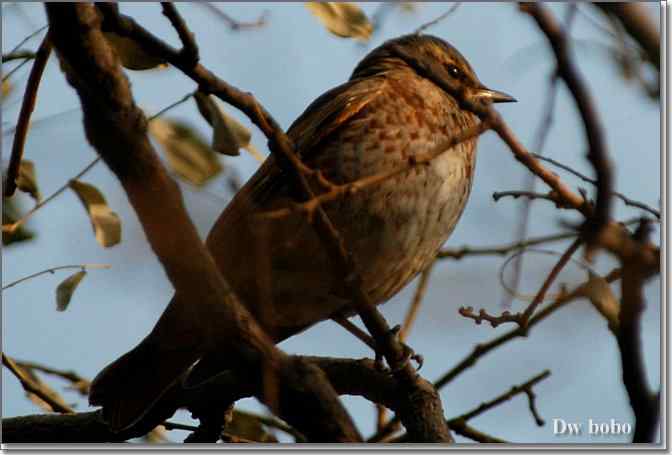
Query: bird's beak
[{"x": 493, "y": 96}]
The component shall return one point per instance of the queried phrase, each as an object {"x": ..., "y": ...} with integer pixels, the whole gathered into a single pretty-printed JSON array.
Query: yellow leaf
[
  {"x": 344, "y": 19},
  {"x": 599, "y": 293},
  {"x": 187, "y": 153},
  {"x": 65, "y": 290},
  {"x": 9, "y": 216},
  {"x": 106, "y": 224},
  {"x": 26, "y": 180},
  {"x": 131, "y": 55},
  {"x": 6, "y": 89}
]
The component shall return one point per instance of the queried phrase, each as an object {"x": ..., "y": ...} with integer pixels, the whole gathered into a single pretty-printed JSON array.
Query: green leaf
[
  {"x": 106, "y": 224},
  {"x": 65, "y": 290}
]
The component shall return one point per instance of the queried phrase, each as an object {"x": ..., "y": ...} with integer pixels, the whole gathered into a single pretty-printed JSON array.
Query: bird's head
[{"x": 434, "y": 59}]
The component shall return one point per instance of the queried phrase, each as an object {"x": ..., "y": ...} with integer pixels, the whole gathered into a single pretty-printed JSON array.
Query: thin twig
[
  {"x": 10, "y": 73},
  {"x": 28, "y": 38},
  {"x": 626, "y": 200},
  {"x": 523, "y": 318},
  {"x": 458, "y": 254},
  {"x": 433, "y": 22},
  {"x": 27, "y": 107},
  {"x": 55, "y": 269},
  {"x": 234, "y": 24},
  {"x": 515, "y": 390}
]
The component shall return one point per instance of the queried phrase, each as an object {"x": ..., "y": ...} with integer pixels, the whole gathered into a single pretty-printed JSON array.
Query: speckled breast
[{"x": 396, "y": 227}]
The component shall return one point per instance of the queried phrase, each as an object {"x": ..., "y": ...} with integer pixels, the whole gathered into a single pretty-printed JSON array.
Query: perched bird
[{"x": 387, "y": 113}]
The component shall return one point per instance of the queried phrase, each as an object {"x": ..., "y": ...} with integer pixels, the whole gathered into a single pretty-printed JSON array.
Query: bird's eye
[{"x": 454, "y": 71}]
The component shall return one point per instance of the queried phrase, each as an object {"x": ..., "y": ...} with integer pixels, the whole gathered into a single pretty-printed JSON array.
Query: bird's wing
[
  {"x": 321, "y": 119},
  {"x": 331, "y": 111}
]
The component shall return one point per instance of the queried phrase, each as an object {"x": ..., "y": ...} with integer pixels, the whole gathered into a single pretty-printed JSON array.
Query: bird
[{"x": 388, "y": 112}]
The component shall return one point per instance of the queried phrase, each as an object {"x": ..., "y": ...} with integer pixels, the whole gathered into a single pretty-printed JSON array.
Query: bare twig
[
  {"x": 459, "y": 253},
  {"x": 27, "y": 107},
  {"x": 54, "y": 269},
  {"x": 626, "y": 200},
  {"x": 530, "y": 195},
  {"x": 463, "y": 429},
  {"x": 28, "y": 38},
  {"x": 523, "y": 319},
  {"x": 525, "y": 387},
  {"x": 435, "y": 21},
  {"x": 234, "y": 24}
]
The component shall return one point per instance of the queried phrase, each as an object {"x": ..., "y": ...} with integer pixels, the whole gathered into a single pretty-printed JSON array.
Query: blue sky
[{"x": 286, "y": 64}]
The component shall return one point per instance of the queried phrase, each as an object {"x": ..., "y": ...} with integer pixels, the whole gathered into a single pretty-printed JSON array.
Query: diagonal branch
[
  {"x": 116, "y": 128},
  {"x": 27, "y": 107},
  {"x": 597, "y": 147}
]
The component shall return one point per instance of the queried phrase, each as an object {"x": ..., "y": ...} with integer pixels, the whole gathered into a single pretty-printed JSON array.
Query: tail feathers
[{"x": 129, "y": 387}]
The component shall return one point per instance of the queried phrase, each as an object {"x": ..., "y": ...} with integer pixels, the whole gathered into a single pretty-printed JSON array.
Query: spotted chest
[{"x": 395, "y": 228}]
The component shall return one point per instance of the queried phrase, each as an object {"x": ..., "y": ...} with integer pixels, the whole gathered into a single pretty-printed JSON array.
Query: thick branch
[{"x": 116, "y": 127}]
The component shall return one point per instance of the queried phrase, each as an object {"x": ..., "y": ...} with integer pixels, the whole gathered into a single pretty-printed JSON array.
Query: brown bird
[{"x": 385, "y": 114}]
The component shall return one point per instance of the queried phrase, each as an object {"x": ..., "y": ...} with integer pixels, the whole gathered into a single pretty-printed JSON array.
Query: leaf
[
  {"x": 187, "y": 153},
  {"x": 598, "y": 291},
  {"x": 6, "y": 90},
  {"x": 9, "y": 217},
  {"x": 344, "y": 19},
  {"x": 26, "y": 180},
  {"x": 229, "y": 134},
  {"x": 131, "y": 54},
  {"x": 65, "y": 290},
  {"x": 106, "y": 224}
]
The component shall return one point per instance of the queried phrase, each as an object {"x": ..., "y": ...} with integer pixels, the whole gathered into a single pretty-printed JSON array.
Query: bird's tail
[{"x": 129, "y": 387}]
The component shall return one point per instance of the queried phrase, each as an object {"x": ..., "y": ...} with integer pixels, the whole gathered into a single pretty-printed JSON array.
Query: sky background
[{"x": 286, "y": 64}]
